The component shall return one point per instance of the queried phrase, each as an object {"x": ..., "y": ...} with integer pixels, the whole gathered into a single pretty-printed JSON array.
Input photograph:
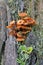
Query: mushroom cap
[
  {"x": 29, "y": 21},
  {"x": 20, "y": 39},
  {"x": 20, "y": 22},
  {"x": 19, "y": 35},
  {"x": 22, "y": 14},
  {"x": 11, "y": 25},
  {"x": 25, "y": 32},
  {"x": 12, "y": 22},
  {"x": 26, "y": 18},
  {"x": 24, "y": 27}
]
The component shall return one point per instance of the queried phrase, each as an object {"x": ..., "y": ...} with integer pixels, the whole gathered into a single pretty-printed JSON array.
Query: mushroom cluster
[{"x": 23, "y": 26}]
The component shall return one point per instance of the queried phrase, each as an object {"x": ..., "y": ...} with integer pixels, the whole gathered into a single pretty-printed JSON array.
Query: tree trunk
[{"x": 10, "y": 53}]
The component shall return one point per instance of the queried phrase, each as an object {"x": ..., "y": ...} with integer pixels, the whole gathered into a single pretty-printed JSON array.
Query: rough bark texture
[
  {"x": 10, "y": 53},
  {"x": 3, "y": 19},
  {"x": 31, "y": 39}
]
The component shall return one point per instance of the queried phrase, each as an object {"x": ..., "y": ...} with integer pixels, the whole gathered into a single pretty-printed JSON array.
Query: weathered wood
[
  {"x": 31, "y": 39},
  {"x": 10, "y": 53},
  {"x": 3, "y": 19}
]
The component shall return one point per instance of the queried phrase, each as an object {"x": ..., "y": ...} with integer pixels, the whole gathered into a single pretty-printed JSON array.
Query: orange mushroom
[
  {"x": 29, "y": 21},
  {"x": 26, "y": 18},
  {"x": 12, "y": 23},
  {"x": 25, "y": 32},
  {"x": 24, "y": 27},
  {"x": 19, "y": 35},
  {"x": 22, "y": 14},
  {"x": 20, "y": 28},
  {"x": 20, "y": 22},
  {"x": 20, "y": 39},
  {"x": 9, "y": 26}
]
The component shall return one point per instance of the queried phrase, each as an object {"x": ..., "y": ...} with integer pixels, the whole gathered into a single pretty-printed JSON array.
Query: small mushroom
[
  {"x": 12, "y": 24},
  {"x": 24, "y": 27},
  {"x": 26, "y": 18},
  {"x": 25, "y": 32},
  {"x": 19, "y": 35},
  {"x": 22, "y": 14},
  {"x": 20, "y": 39},
  {"x": 20, "y": 22},
  {"x": 9, "y": 26},
  {"x": 29, "y": 21}
]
